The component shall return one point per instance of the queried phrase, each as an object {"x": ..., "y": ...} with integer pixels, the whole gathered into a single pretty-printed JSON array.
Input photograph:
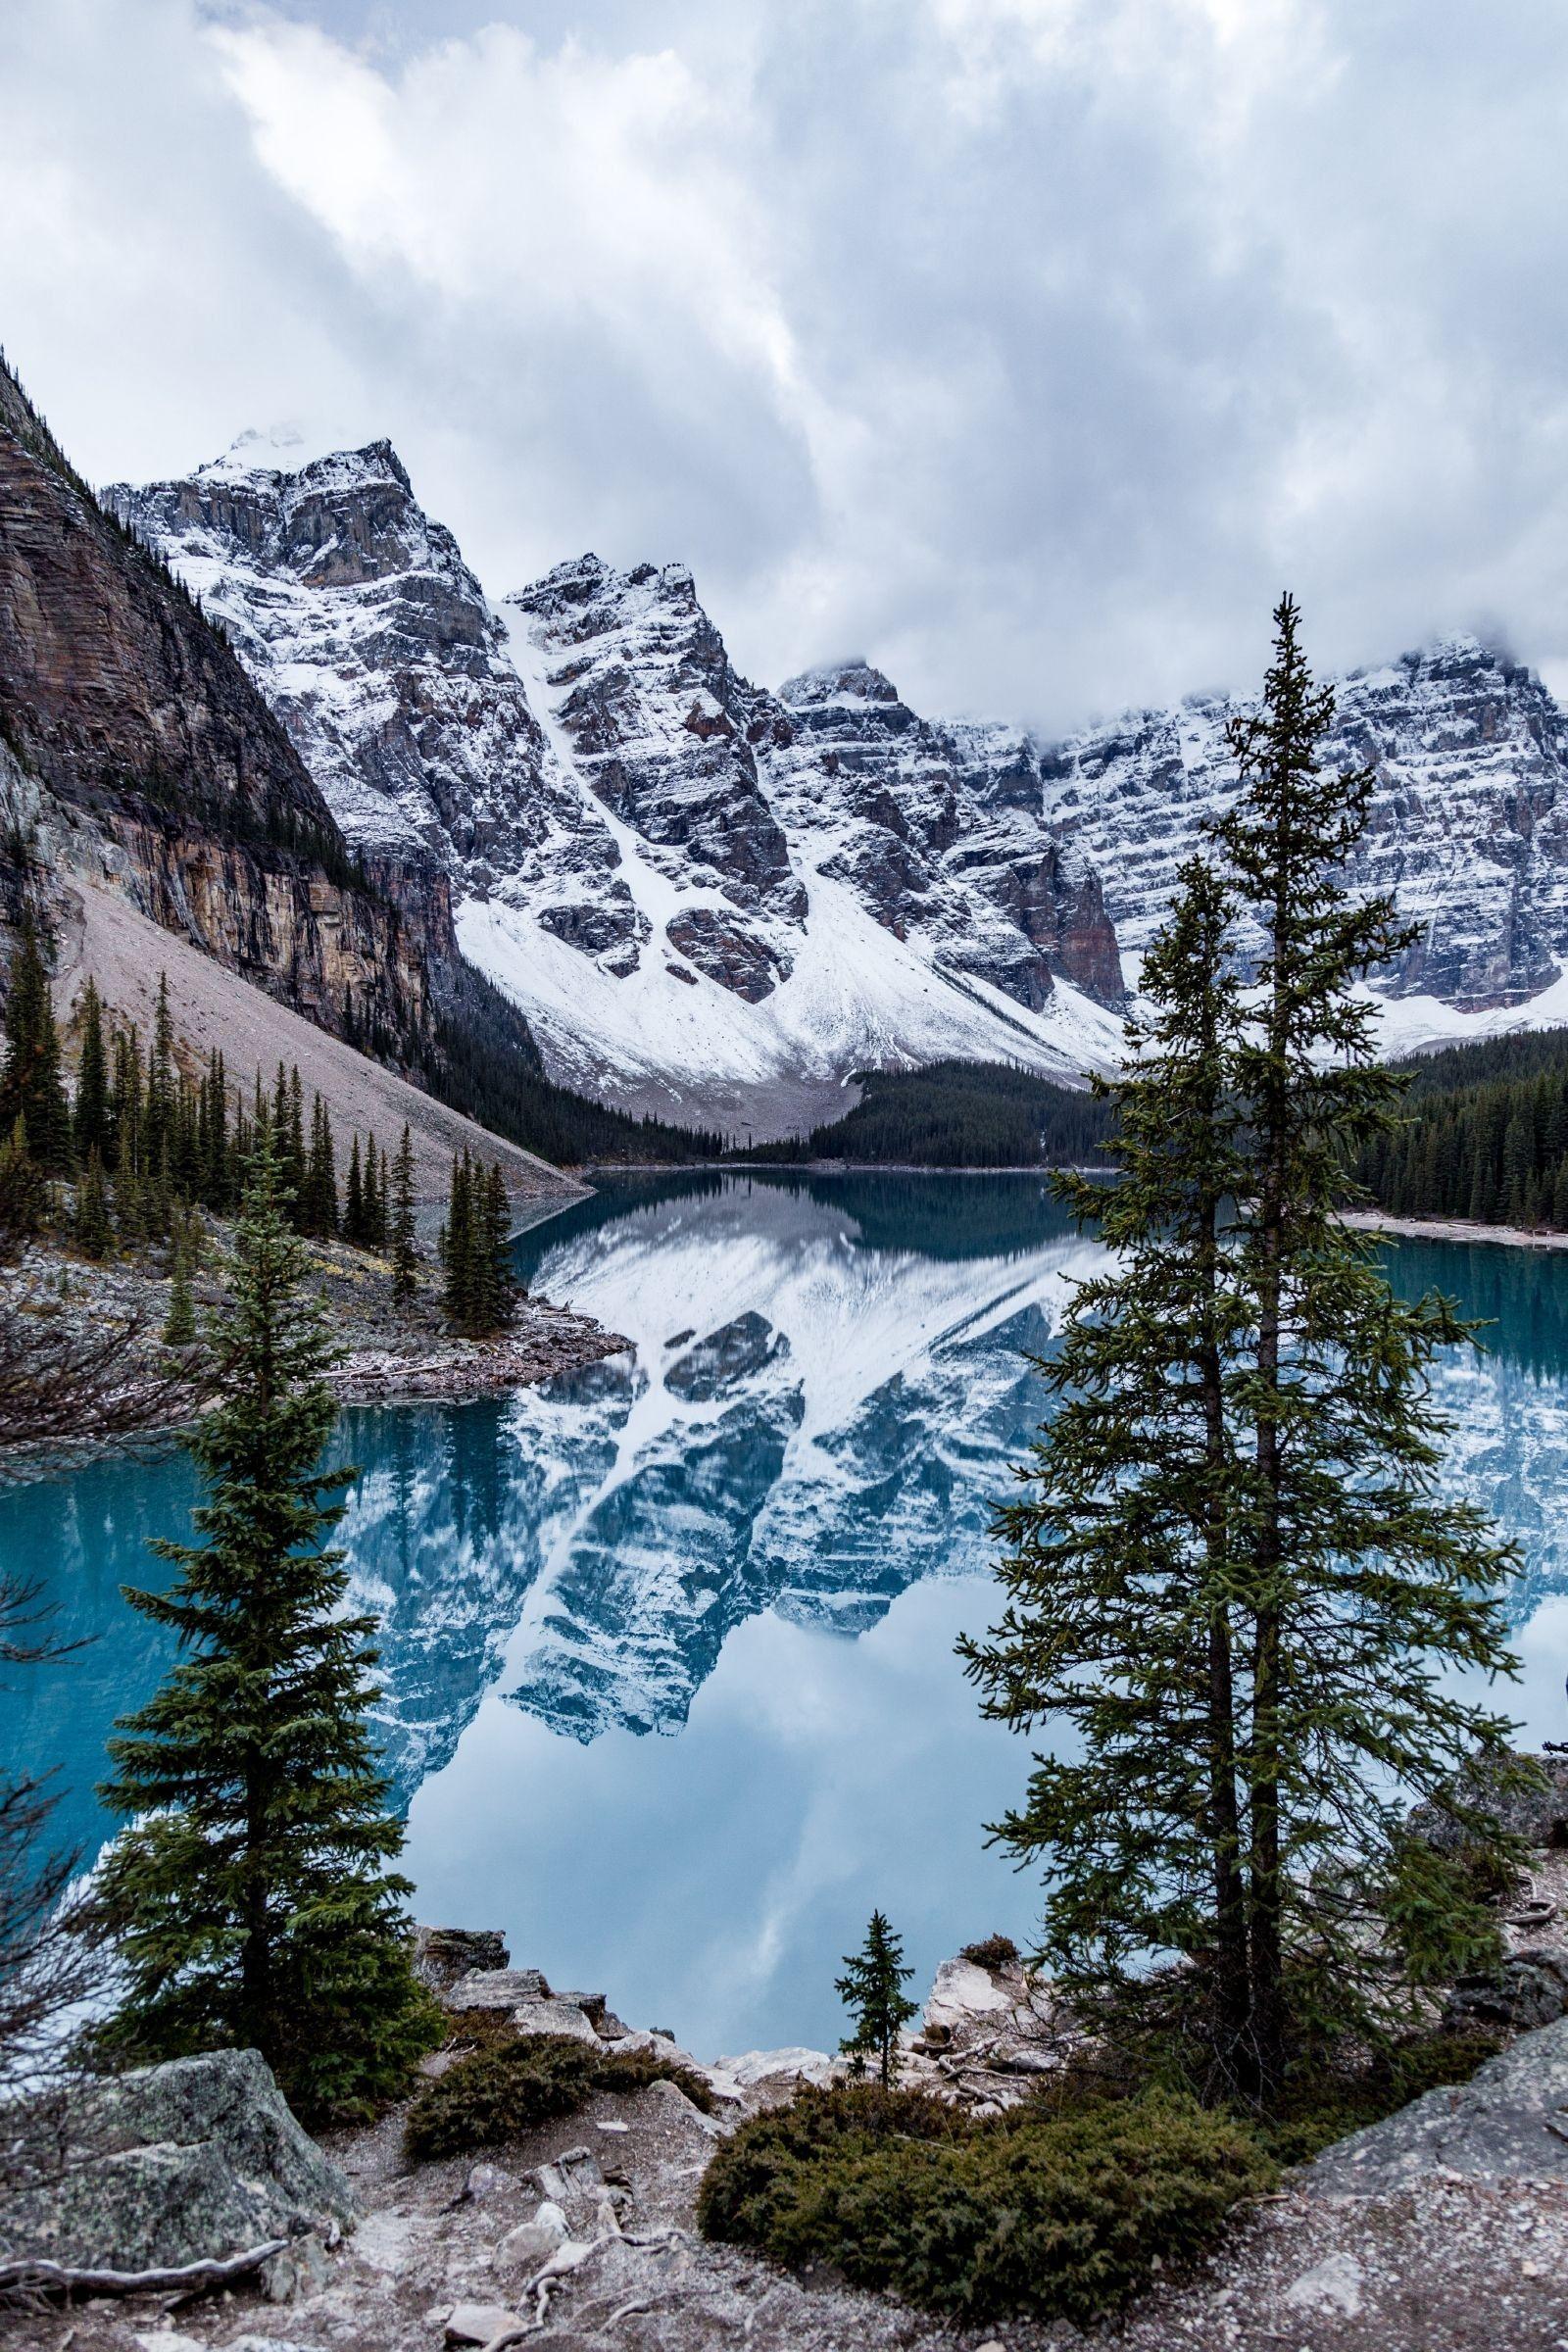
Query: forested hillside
[
  {"x": 1486, "y": 1136},
  {"x": 960, "y": 1115}
]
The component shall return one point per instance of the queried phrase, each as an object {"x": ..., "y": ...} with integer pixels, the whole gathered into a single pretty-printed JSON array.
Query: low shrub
[
  {"x": 1061, "y": 2214},
  {"x": 634, "y": 2070},
  {"x": 997, "y": 1952},
  {"x": 1321, "y": 2105},
  {"x": 507, "y": 2088}
]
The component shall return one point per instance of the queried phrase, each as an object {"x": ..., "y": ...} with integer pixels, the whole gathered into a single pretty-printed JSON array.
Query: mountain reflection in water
[{"x": 760, "y": 1529}]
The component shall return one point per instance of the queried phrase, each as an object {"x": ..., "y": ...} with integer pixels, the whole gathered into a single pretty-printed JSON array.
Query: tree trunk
[{"x": 1266, "y": 1954}]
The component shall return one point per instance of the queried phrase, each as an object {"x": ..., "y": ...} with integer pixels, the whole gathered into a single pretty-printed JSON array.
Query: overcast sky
[{"x": 1027, "y": 346}]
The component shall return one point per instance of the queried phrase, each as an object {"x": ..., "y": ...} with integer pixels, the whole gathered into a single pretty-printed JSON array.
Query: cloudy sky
[{"x": 1027, "y": 346}]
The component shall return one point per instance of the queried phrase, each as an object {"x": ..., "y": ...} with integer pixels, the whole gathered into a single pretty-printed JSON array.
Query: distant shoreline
[{"x": 1452, "y": 1228}]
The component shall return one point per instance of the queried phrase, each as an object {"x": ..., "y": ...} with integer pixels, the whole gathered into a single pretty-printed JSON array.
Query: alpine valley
[{"x": 715, "y": 902}]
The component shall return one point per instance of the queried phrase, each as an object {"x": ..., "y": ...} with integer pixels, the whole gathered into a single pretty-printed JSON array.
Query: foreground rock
[
  {"x": 193, "y": 2161},
  {"x": 1443, "y": 2229},
  {"x": 1509, "y": 2123}
]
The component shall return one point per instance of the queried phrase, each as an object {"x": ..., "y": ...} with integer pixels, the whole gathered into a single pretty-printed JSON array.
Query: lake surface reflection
[{"x": 668, "y": 1643}]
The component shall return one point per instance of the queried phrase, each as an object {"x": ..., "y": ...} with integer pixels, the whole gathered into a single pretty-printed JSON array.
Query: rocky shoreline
[
  {"x": 394, "y": 1352},
  {"x": 1453, "y": 1229}
]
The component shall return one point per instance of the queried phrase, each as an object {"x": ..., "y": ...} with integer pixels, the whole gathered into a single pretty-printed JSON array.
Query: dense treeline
[
  {"x": 143, "y": 1147},
  {"x": 144, "y": 1143},
  {"x": 480, "y": 1074},
  {"x": 1486, "y": 1136},
  {"x": 960, "y": 1115}
]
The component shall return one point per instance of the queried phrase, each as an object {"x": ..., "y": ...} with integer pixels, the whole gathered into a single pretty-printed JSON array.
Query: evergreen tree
[
  {"x": 376, "y": 1213},
  {"x": 871, "y": 1987},
  {"x": 93, "y": 1234},
  {"x": 354, "y": 1200},
  {"x": 497, "y": 1285},
  {"x": 180, "y": 1324},
  {"x": 404, "y": 1239},
  {"x": 25, "y": 1198},
  {"x": 90, "y": 1122},
  {"x": 456, "y": 1247},
  {"x": 124, "y": 1105},
  {"x": 161, "y": 1100},
  {"x": 480, "y": 1288},
  {"x": 319, "y": 1205},
  {"x": 214, "y": 1172},
  {"x": 1232, "y": 1569},
  {"x": 252, "y": 1894},
  {"x": 31, "y": 1088}
]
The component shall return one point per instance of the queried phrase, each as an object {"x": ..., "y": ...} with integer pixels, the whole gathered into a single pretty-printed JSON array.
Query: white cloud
[{"x": 1025, "y": 344}]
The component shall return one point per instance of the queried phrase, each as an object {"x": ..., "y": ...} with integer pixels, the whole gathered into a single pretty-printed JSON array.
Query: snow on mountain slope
[
  {"x": 715, "y": 902},
  {"x": 1468, "y": 828},
  {"x": 708, "y": 903},
  {"x": 367, "y": 632},
  {"x": 748, "y": 954}
]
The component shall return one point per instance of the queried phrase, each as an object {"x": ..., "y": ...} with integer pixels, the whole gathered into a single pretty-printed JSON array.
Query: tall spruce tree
[
  {"x": 403, "y": 1233},
  {"x": 493, "y": 1213},
  {"x": 871, "y": 1987},
  {"x": 252, "y": 1894},
  {"x": 92, "y": 1232},
  {"x": 375, "y": 1228},
  {"x": 160, "y": 1101},
  {"x": 457, "y": 1247},
  {"x": 1231, "y": 1567},
  {"x": 31, "y": 1088},
  {"x": 90, "y": 1117},
  {"x": 354, "y": 1200}
]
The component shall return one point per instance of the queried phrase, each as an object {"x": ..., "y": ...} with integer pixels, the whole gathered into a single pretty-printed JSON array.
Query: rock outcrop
[
  {"x": 199, "y": 2159},
  {"x": 943, "y": 840},
  {"x": 139, "y": 754},
  {"x": 1468, "y": 827},
  {"x": 1508, "y": 2123}
]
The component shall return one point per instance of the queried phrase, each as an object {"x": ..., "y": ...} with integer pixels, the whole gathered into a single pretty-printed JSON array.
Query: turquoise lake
[{"x": 668, "y": 1643}]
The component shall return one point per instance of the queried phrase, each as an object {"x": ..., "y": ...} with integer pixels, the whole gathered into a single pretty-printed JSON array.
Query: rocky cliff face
[
  {"x": 1468, "y": 828},
  {"x": 375, "y": 644},
  {"x": 943, "y": 840},
  {"x": 698, "y": 891},
  {"x": 148, "y": 756}
]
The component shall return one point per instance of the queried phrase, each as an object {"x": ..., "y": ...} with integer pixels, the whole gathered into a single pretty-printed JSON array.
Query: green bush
[
  {"x": 997, "y": 1952},
  {"x": 1320, "y": 2105},
  {"x": 506, "y": 2089},
  {"x": 1061, "y": 2214}
]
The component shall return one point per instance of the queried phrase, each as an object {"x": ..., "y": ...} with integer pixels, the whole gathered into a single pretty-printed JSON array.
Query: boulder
[
  {"x": 555, "y": 2017},
  {"x": 532, "y": 2241},
  {"x": 477, "y": 2323},
  {"x": 1529, "y": 1989},
  {"x": 1539, "y": 1816},
  {"x": 189, "y": 2161},
  {"x": 1508, "y": 2123},
  {"x": 500, "y": 1989},
  {"x": 442, "y": 1955},
  {"x": 771, "y": 2078}
]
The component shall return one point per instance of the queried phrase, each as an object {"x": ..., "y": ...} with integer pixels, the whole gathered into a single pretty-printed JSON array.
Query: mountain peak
[
  {"x": 282, "y": 455},
  {"x": 852, "y": 681}
]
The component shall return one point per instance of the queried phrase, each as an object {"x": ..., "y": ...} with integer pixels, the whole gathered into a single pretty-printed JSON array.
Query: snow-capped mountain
[
  {"x": 708, "y": 899},
  {"x": 717, "y": 900},
  {"x": 1468, "y": 828}
]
